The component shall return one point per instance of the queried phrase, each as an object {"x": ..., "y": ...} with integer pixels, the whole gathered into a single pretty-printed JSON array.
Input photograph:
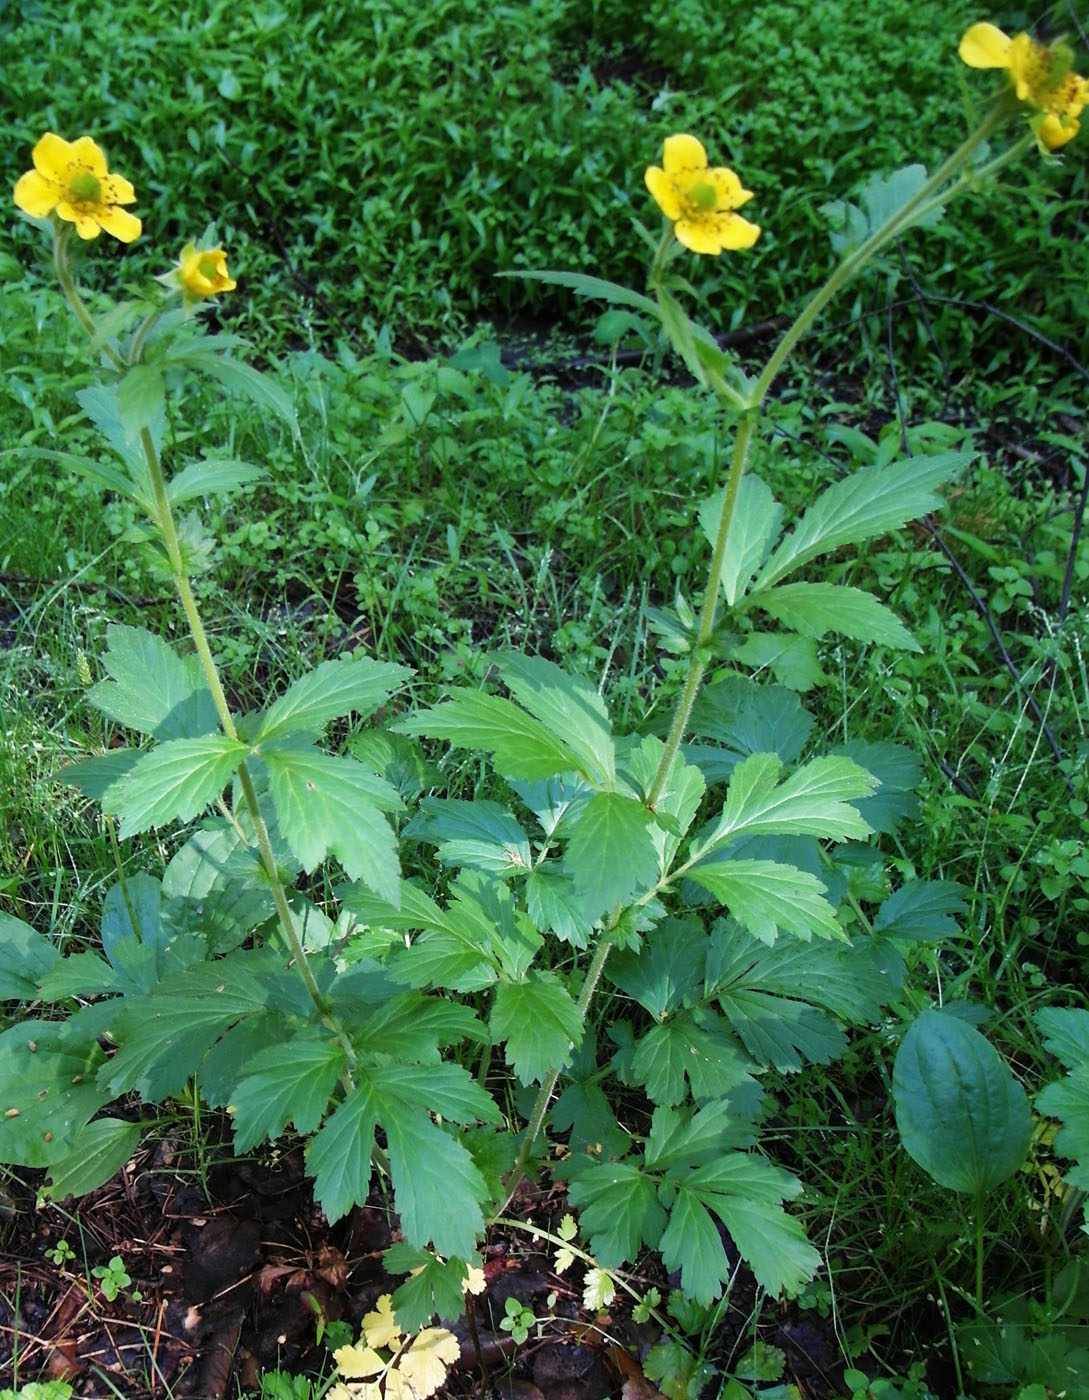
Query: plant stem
[
  {"x": 698, "y": 657},
  {"x": 61, "y": 237},
  {"x": 548, "y": 1084}
]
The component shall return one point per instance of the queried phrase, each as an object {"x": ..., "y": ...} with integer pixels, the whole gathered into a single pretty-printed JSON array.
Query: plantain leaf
[{"x": 962, "y": 1115}]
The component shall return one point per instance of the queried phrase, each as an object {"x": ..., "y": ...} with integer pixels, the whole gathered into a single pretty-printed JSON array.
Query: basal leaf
[
  {"x": 780, "y": 1031},
  {"x": 521, "y": 745},
  {"x": 28, "y": 957},
  {"x": 47, "y": 1091},
  {"x": 766, "y": 897},
  {"x": 480, "y": 834},
  {"x": 538, "y": 1022},
  {"x": 339, "y": 1155},
  {"x": 152, "y": 689},
  {"x": 962, "y": 1115},
  {"x": 618, "y": 1210},
  {"x": 333, "y": 806},
  {"x": 348, "y": 685},
  {"x": 921, "y": 910},
  {"x": 666, "y": 970},
  {"x": 814, "y": 609},
  {"x": 870, "y": 502},
  {"x": 691, "y": 1244},
  {"x": 586, "y": 286},
  {"x": 286, "y": 1083},
  {"x": 791, "y": 659},
  {"x": 175, "y": 781},
  {"x": 102, "y": 1148},
  {"x": 610, "y": 854},
  {"x": 898, "y": 772}
]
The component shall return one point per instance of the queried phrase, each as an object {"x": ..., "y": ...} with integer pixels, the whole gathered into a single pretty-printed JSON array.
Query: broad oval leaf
[{"x": 961, "y": 1113}]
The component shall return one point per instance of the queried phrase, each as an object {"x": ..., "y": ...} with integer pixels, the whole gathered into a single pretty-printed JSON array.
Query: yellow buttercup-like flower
[
  {"x": 70, "y": 179},
  {"x": 701, "y": 200},
  {"x": 202, "y": 272},
  {"x": 1042, "y": 77}
]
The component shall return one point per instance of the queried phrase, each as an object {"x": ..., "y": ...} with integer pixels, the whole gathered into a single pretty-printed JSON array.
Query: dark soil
[{"x": 235, "y": 1271}]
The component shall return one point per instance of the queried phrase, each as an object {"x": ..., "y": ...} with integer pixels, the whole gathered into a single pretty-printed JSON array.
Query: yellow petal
[
  {"x": 683, "y": 153},
  {"x": 35, "y": 195},
  {"x": 89, "y": 156},
  {"x": 123, "y": 225},
  {"x": 985, "y": 46},
  {"x": 52, "y": 156},
  {"x": 698, "y": 237},
  {"x": 117, "y": 190},
  {"x": 87, "y": 225},
  {"x": 739, "y": 233},
  {"x": 1053, "y": 133},
  {"x": 661, "y": 187},
  {"x": 728, "y": 188}
]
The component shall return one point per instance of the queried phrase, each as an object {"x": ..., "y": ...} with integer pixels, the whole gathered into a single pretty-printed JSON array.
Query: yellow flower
[
  {"x": 202, "y": 272},
  {"x": 1042, "y": 77},
  {"x": 70, "y": 178},
  {"x": 700, "y": 200}
]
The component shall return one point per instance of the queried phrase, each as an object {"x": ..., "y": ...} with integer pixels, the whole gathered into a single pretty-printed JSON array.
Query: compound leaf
[
  {"x": 539, "y": 1023},
  {"x": 286, "y": 1083}
]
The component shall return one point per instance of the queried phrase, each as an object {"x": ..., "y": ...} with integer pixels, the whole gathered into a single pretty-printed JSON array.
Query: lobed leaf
[{"x": 348, "y": 685}]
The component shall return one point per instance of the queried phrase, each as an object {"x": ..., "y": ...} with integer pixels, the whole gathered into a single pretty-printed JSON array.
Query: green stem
[
  {"x": 925, "y": 198},
  {"x": 61, "y": 237},
  {"x": 697, "y": 663},
  {"x": 548, "y": 1084}
]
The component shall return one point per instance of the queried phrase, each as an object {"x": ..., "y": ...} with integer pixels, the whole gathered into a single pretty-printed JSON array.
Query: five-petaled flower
[
  {"x": 701, "y": 200},
  {"x": 70, "y": 178},
  {"x": 1041, "y": 76},
  {"x": 201, "y": 272}
]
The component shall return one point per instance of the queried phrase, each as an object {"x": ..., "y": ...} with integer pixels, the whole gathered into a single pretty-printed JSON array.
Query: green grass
[{"x": 374, "y": 166}]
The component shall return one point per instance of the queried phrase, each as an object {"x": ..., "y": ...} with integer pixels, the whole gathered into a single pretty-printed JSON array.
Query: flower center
[
  {"x": 207, "y": 269},
  {"x": 702, "y": 197},
  {"x": 85, "y": 188}
]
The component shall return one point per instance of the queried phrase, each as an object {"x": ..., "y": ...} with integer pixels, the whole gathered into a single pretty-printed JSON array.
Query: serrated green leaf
[
  {"x": 433, "y": 1287},
  {"x": 409, "y": 1026},
  {"x": 812, "y": 801},
  {"x": 780, "y": 1031},
  {"x": 521, "y": 746},
  {"x": 677, "y": 803},
  {"x": 666, "y": 970},
  {"x": 480, "y": 834},
  {"x": 814, "y": 609},
  {"x": 586, "y": 286},
  {"x": 871, "y": 501},
  {"x": 217, "y": 888},
  {"x": 687, "y": 1137},
  {"x": 962, "y": 1115},
  {"x": 333, "y": 806},
  {"x": 618, "y": 1210},
  {"x": 683, "y": 1048},
  {"x": 102, "y": 1148},
  {"x": 437, "y": 1188},
  {"x": 569, "y": 707},
  {"x": 214, "y": 476},
  {"x": 554, "y": 906},
  {"x": 175, "y": 781},
  {"x": 766, "y": 897},
  {"x": 897, "y": 770},
  {"x": 792, "y": 660},
  {"x": 28, "y": 958},
  {"x": 538, "y": 1022},
  {"x": 153, "y": 690},
  {"x": 1066, "y": 1034},
  {"x": 610, "y": 854},
  {"x": 339, "y": 1155},
  {"x": 97, "y": 777},
  {"x": 241, "y": 379},
  {"x": 162, "y": 1038},
  {"x": 141, "y": 397},
  {"x": 755, "y": 524},
  {"x": 348, "y": 685},
  {"x": 691, "y": 1244},
  {"x": 921, "y": 910},
  {"x": 286, "y": 1083}
]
